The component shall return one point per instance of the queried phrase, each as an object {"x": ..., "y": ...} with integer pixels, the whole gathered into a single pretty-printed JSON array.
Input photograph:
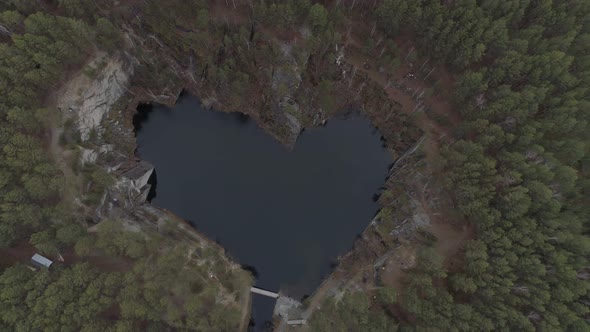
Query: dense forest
[
  {"x": 111, "y": 279},
  {"x": 137, "y": 286},
  {"x": 36, "y": 53},
  {"x": 516, "y": 166}
]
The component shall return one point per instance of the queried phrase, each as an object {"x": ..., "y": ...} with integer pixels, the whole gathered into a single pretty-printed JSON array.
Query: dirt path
[
  {"x": 21, "y": 252},
  {"x": 62, "y": 157},
  {"x": 70, "y": 93}
]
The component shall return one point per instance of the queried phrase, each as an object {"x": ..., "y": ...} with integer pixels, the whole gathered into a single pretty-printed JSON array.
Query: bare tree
[
  {"x": 352, "y": 76},
  {"x": 429, "y": 74},
  {"x": 521, "y": 289},
  {"x": 425, "y": 62},
  {"x": 360, "y": 89},
  {"x": 407, "y": 153},
  {"x": 390, "y": 114},
  {"x": 417, "y": 105},
  {"x": 584, "y": 274},
  {"x": 421, "y": 94},
  {"x": 4, "y": 30},
  {"x": 409, "y": 53},
  {"x": 534, "y": 316}
]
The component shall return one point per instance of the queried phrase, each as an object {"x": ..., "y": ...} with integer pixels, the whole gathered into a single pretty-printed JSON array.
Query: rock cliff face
[
  {"x": 101, "y": 95},
  {"x": 87, "y": 99},
  {"x": 285, "y": 82}
]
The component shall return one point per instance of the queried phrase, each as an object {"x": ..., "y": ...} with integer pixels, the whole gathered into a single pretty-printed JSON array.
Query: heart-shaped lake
[{"x": 288, "y": 213}]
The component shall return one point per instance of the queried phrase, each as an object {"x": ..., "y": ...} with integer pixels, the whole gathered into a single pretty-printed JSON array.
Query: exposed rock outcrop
[
  {"x": 285, "y": 82},
  {"x": 89, "y": 99},
  {"x": 89, "y": 156},
  {"x": 101, "y": 95},
  {"x": 140, "y": 174}
]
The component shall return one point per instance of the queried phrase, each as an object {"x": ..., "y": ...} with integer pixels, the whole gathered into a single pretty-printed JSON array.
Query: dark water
[{"x": 287, "y": 213}]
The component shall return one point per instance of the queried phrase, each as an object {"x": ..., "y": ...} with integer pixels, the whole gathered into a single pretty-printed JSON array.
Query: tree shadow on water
[
  {"x": 141, "y": 116},
  {"x": 251, "y": 269}
]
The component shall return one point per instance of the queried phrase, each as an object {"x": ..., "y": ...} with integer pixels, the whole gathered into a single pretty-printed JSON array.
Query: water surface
[{"x": 287, "y": 213}]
